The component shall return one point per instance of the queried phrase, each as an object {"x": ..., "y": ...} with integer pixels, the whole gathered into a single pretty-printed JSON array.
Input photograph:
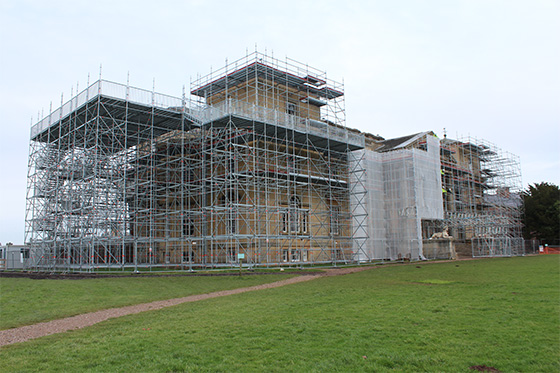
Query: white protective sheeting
[
  {"x": 403, "y": 187},
  {"x": 372, "y": 205}
]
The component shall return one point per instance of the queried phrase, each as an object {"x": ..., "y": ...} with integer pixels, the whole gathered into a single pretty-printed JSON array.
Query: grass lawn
[
  {"x": 501, "y": 313},
  {"x": 24, "y": 301}
]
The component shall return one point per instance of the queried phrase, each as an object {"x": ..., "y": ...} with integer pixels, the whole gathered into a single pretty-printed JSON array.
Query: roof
[
  {"x": 306, "y": 83},
  {"x": 399, "y": 142}
]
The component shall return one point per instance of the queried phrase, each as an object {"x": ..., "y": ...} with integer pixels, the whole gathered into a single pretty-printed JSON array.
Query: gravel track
[{"x": 25, "y": 333}]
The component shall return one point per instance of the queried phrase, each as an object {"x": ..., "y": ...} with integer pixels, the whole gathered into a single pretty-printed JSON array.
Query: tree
[{"x": 541, "y": 205}]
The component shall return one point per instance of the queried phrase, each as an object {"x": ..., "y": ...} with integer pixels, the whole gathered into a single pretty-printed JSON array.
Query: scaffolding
[
  {"x": 255, "y": 165},
  {"x": 404, "y": 189},
  {"x": 438, "y": 199},
  {"x": 482, "y": 196}
]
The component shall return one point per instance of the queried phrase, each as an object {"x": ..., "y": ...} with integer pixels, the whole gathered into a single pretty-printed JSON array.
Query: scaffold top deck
[
  {"x": 133, "y": 105},
  {"x": 308, "y": 83}
]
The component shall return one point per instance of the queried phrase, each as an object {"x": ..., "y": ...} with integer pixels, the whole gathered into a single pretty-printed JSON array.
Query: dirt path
[{"x": 28, "y": 332}]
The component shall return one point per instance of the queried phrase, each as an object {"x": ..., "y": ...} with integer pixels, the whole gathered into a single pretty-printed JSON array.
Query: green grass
[
  {"x": 502, "y": 313},
  {"x": 24, "y": 301}
]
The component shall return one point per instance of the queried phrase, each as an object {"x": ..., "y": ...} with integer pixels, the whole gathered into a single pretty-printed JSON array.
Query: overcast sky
[{"x": 484, "y": 68}]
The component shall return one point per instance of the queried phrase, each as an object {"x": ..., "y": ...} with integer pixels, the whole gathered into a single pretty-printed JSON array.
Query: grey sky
[{"x": 479, "y": 67}]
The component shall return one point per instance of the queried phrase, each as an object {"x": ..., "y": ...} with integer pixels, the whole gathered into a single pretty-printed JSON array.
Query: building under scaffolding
[
  {"x": 443, "y": 198},
  {"x": 482, "y": 196},
  {"x": 257, "y": 165}
]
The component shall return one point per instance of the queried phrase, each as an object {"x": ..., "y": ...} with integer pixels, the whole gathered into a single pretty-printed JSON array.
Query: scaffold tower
[
  {"x": 482, "y": 196},
  {"x": 255, "y": 165}
]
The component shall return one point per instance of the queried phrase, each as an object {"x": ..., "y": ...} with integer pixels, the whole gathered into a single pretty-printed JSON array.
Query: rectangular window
[
  {"x": 305, "y": 222},
  {"x": 284, "y": 221},
  {"x": 294, "y": 221},
  {"x": 295, "y": 255},
  {"x": 285, "y": 255},
  {"x": 291, "y": 255}
]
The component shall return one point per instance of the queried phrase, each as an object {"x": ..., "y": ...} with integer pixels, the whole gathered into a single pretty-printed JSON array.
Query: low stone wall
[{"x": 439, "y": 249}]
